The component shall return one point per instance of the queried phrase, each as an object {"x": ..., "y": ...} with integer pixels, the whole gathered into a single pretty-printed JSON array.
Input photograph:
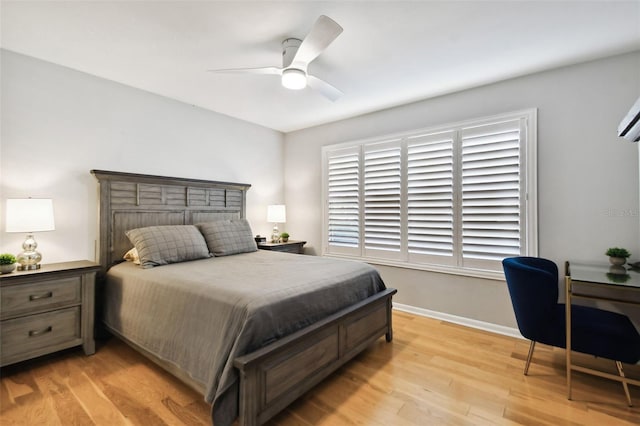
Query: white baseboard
[{"x": 481, "y": 325}]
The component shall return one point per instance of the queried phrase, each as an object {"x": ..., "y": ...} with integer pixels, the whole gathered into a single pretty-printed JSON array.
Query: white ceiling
[{"x": 390, "y": 53}]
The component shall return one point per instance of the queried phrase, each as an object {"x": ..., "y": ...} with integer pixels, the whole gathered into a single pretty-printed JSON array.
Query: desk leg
[
  {"x": 567, "y": 286},
  {"x": 624, "y": 383}
]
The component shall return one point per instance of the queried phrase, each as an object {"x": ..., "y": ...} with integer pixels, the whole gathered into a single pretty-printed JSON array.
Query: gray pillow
[
  {"x": 161, "y": 245},
  {"x": 225, "y": 237}
]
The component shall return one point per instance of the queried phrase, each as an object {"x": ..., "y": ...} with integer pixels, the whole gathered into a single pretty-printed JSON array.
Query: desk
[{"x": 600, "y": 277}]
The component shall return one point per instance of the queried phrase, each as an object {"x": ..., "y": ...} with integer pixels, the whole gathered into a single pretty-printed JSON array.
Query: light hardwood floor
[{"x": 433, "y": 373}]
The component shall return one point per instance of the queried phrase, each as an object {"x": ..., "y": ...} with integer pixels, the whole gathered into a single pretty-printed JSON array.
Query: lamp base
[
  {"x": 275, "y": 234},
  {"x": 30, "y": 258},
  {"x": 28, "y": 267}
]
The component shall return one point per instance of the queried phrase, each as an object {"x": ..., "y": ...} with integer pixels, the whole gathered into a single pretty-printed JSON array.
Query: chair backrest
[{"x": 533, "y": 288}]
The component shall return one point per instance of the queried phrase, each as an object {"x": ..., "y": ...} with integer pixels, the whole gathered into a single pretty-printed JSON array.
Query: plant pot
[
  {"x": 5, "y": 269},
  {"x": 617, "y": 261},
  {"x": 285, "y": 239}
]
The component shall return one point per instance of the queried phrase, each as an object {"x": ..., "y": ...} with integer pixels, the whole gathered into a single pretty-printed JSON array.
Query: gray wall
[
  {"x": 587, "y": 177},
  {"x": 58, "y": 123}
]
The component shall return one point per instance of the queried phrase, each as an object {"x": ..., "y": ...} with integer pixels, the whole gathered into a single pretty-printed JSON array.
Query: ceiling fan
[{"x": 296, "y": 56}]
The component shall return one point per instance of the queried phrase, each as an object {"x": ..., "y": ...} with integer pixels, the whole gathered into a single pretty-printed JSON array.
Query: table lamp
[
  {"x": 276, "y": 214},
  {"x": 29, "y": 215}
]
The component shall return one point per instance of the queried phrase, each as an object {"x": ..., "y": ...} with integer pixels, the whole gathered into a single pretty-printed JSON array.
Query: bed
[{"x": 280, "y": 339}]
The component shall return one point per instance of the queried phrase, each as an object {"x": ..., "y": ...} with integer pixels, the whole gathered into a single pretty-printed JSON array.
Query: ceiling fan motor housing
[{"x": 289, "y": 49}]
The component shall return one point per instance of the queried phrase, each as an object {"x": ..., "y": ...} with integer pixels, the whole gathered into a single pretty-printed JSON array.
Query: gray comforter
[{"x": 202, "y": 314}]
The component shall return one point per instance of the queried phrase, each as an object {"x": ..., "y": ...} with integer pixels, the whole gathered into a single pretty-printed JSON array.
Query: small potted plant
[
  {"x": 285, "y": 237},
  {"x": 617, "y": 256},
  {"x": 7, "y": 263}
]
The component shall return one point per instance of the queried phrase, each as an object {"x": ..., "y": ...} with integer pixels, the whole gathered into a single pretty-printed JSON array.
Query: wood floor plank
[
  {"x": 301, "y": 413},
  {"x": 186, "y": 415},
  {"x": 433, "y": 373},
  {"x": 151, "y": 400},
  {"x": 34, "y": 410},
  {"x": 6, "y": 401},
  {"x": 67, "y": 408},
  {"x": 19, "y": 385}
]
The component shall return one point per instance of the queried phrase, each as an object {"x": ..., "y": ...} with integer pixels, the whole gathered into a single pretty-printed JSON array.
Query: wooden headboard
[{"x": 130, "y": 200}]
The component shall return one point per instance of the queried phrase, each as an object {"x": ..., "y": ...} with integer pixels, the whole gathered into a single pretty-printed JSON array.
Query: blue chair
[{"x": 533, "y": 288}]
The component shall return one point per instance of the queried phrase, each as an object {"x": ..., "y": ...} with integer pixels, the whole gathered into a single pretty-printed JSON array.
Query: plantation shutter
[
  {"x": 382, "y": 199},
  {"x": 491, "y": 195},
  {"x": 430, "y": 198},
  {"x": 343, "y": 201},
  {"x": 453, "y": 199}
]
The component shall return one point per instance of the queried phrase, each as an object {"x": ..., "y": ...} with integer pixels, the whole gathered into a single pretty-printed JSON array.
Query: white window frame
[{"x": 490, "y": 270}]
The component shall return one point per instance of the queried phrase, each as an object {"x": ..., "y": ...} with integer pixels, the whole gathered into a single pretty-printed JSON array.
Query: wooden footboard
[{"x": 273, "y": 377}]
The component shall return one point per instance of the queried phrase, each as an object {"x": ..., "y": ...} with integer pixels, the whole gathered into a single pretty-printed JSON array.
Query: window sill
[{"x": 452, "y": 270}]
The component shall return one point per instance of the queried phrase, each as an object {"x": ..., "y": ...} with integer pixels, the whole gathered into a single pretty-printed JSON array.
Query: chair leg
[
  {"x": 624, "y": 383},
  {"x": 526, "y": 366}
]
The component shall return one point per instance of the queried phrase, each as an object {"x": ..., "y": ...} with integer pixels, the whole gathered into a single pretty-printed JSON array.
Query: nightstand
[
  {"x": 47, "y": 310},
  {"x": 288, "y": 247}
]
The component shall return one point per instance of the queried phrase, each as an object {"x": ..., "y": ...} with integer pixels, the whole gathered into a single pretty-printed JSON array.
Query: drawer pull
[
  {"x": 34, "y": 333},
  {"x": 41, "y": 296}
]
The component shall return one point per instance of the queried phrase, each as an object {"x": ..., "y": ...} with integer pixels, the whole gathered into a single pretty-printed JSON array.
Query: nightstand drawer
[
  {"x": 290, "y": 248},
  {"x": 29, "y": 298},
  {"x": 34, "y": 335}
]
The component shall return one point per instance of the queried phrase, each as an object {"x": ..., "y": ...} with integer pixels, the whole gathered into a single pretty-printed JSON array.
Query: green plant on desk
[
  {"x": 618, "y": 252},
  {"x": 617, "y": 256},
  {"x": 285, "y": 237}
]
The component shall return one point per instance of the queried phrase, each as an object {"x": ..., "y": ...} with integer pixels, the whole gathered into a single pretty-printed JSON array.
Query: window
[{"x": 457, "y": 198}]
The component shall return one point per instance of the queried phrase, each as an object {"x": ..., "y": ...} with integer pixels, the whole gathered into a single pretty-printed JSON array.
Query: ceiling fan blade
[
  {"x": 327, "y": 90},
  {"x": 324, "y": 31},
  {"x": 263, "y": 70}
]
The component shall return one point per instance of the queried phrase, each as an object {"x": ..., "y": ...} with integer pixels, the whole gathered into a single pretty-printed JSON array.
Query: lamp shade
[
  {"x": 276, "y": 213},
  {"x": 29, "y": 215}
]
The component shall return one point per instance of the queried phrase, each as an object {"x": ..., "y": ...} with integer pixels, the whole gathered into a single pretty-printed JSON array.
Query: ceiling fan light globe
[{"x": 294, "y": 79}]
